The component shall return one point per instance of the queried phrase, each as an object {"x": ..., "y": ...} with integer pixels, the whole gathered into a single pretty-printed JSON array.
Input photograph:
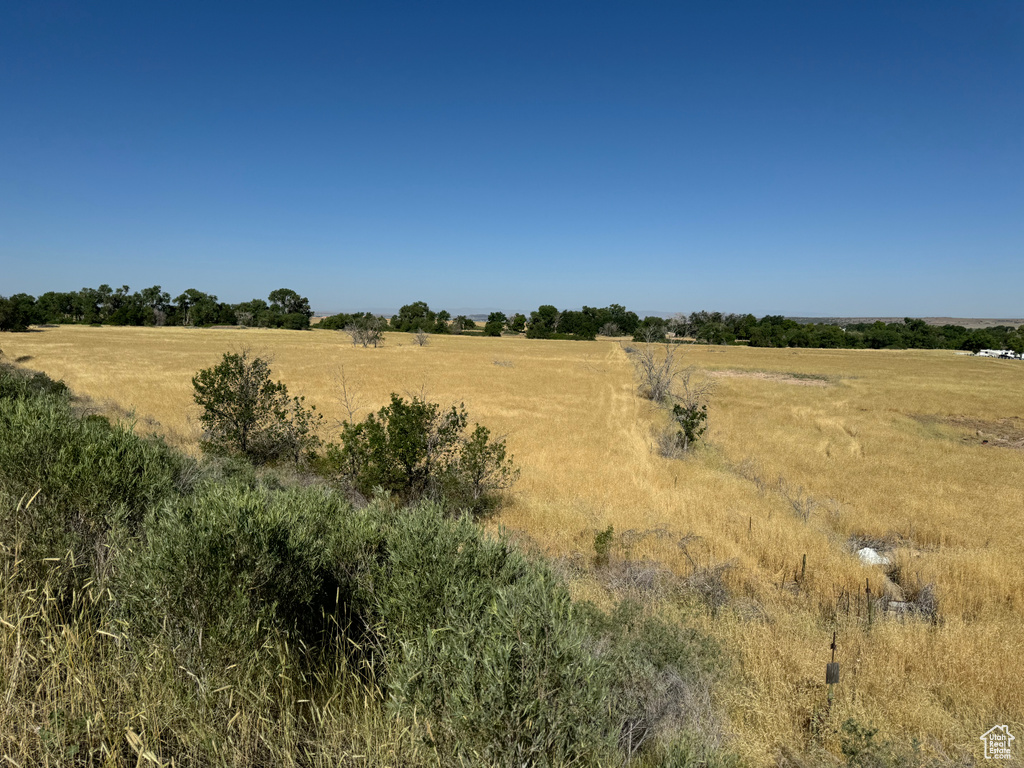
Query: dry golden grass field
[{"x": 809, "y": 452}]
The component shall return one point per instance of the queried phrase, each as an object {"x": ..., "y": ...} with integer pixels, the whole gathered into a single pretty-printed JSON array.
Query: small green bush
[
  {"x": 692, "y": 421},
  {"x": 414, "y": 449},
  {"x": 603, "y": 545}
]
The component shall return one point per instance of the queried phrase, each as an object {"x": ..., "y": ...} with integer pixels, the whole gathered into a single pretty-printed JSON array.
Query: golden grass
[{"x": 878, "y": 449}]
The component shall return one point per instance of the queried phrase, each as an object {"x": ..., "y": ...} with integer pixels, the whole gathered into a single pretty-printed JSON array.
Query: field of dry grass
[{"x": 810, "y": 452}]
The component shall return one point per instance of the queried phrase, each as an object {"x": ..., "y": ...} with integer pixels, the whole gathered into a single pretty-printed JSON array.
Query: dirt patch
[
  {"x": 800, "y": 379},
  {"x": 1000, "y": 433}
]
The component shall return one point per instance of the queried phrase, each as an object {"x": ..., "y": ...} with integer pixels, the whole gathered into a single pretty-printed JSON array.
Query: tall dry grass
[{"x": 809, "y": 453}]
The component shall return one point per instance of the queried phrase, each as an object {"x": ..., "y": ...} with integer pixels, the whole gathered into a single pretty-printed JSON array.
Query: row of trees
[
  {"x": 547, "y": 322},
  {"x": 283, "y": 308}
]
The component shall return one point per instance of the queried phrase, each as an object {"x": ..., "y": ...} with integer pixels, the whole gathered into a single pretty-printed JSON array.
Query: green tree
[
  {"x": 462, "y": 323},
  {"x": 245, "y": 412},
  {"x": 288, "y": 302},
  {"x": 441, "y": 325},
  {"x": 414, "y": 317},
  {"x": 56, "y": 307},
  {"x": 157, "y": 301},
  {"x": 1015, "y": 342},
  {"x": 196, "y": 308},
  {"x": 543, "y": 322},
  {"x": 16, "y": 313}
]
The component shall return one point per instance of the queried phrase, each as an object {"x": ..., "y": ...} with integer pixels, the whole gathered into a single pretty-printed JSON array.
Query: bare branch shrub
[
  {"x": 708, "y": 584},
  {"x": 610, "y": 329},
  {"x": 348, "y": 395},
  {"x": 666, "y": 443},
  {"x": 801, "y": 502},
  {"x": 421, "y": 338},
  {"x": 369, "y": 332},
  {"x": 661, "y": 377},
  {"x": 656, "y": 371}
]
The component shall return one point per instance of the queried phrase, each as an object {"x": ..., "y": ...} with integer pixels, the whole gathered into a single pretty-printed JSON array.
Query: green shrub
[
  {"x": 229, "y": 559},
  {"x": 603, "y": 545},
  {"x": 85, "y": 474},
  {"x": 661, "y": 677},
  {"x": 484, "y": 644},
  {"x": 691, "y": 419},
  {"x": 15, "y": 383},
  {"x": 462, "y": 632},
  {"x": 414, "y": 449}
]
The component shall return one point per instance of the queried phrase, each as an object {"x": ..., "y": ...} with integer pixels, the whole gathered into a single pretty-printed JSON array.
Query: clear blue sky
[{"x": 819, "y": 158}]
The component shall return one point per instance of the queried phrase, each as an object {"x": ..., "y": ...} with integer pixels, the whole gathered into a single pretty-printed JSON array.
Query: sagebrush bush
[
  {"x": 15, "y": 383},
  {"x": 484, "y": 644},
  {"x": 461, "y": 631},
  {"x": 85, "y": 475},
  {"x": 229, "y": 558}
]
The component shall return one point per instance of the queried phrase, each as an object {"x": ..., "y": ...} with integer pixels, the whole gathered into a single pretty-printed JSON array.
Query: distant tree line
[
  {"x": 548, "y": 322},
  {"x": 283, "y": 308},
  {"x": 912, "y": 333}
]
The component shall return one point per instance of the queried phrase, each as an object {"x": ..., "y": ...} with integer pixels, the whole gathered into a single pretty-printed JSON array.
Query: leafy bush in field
[
  {"x": 414, "y": 449},
  {"x": 661, "y": 679},
  {"x": 229, "y": 558},
  {"x": 692, "y": 420},
  {"x": 483, "y": 643},
  {"x": 245, "y": 412}
]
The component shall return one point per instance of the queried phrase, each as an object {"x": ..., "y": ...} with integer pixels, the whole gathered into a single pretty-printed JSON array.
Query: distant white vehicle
[{"x": 1005, "y": 354}]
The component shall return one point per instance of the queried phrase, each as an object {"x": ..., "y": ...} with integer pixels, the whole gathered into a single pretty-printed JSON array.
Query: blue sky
[{"x": 815, "y": 158}]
